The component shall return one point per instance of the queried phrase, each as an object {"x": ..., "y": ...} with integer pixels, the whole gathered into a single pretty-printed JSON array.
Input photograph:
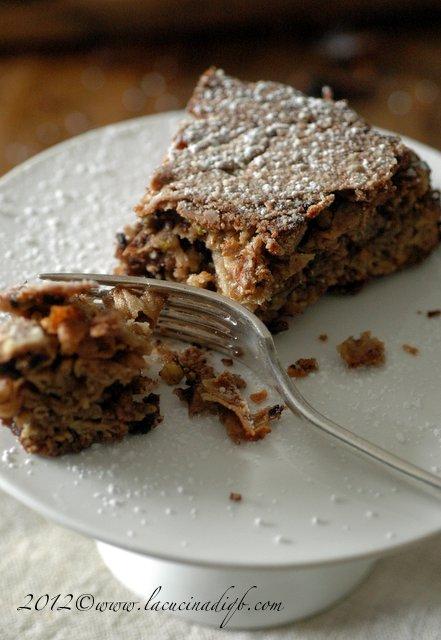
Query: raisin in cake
[
  {"x": 272, "y": 198},
  {"x": 72, "y": 365}
]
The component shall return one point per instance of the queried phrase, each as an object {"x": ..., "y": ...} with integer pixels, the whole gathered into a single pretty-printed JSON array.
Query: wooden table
[{"x": 392, "y": 78}]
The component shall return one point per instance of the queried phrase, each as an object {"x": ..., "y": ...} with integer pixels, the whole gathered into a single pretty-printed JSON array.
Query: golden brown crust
[
  {"x": 264, "y": 155},
  {"x": 36, "y": 299}
]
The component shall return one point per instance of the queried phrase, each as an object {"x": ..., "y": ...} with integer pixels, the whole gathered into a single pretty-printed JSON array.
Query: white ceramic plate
[{"x": 305, "y": 500}]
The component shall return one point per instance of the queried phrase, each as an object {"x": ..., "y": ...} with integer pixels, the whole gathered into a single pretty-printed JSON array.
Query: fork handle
[{"x": 301, "y": 407}]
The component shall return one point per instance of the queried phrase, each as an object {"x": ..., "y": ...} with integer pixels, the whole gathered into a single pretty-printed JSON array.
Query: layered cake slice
[
  {"x": 272, "y": 198},
  {"x": 72, "y": 365}
]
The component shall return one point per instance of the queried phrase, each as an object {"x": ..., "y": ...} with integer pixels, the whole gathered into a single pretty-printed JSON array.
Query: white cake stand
[{"x": 314, "y": 517}]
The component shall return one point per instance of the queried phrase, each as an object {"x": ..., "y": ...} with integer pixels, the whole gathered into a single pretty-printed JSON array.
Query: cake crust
[
  {"x": 264, "y": 154},
  {"x": 272, "y": 198}
]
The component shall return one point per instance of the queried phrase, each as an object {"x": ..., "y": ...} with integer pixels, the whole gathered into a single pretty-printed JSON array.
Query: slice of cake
[
  {"x": 72, "y": 365},
  {"x": 272, "y": 198}
]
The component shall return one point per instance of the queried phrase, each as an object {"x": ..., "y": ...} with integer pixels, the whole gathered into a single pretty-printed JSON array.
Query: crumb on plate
[
  {"x": 302, "y": 367},
  {"x": 408, "y": 348},
  {"x": 365, "y": 351},
  {"x": 207, "y": 391},
  {"x": 259, "y": 396}
]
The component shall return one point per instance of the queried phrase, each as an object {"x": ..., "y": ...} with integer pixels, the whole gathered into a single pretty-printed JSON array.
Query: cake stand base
[{"x": 270, "y": 596}]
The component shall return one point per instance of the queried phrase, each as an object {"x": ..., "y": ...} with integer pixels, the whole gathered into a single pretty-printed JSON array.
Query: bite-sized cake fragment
[
  {"x": 365, "y": 351},
  {"x": 302, "y": 367},
  {"x": 272, "y": 198},
  {"x": 209, "y": 392},
  {"x": 259, "y": 396},
  {"x": 72, "y": 364},
  {"x": 410, "y": 349}
]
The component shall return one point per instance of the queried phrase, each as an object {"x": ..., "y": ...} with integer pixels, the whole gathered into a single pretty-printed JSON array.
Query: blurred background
[{"x": 67, "y": 66}]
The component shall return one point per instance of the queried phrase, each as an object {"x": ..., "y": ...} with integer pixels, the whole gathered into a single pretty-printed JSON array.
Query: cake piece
[
  {"x": 272, "y": 198},
  {"x": 71, "y": 365},
  {"x": 207, "y": 391}
]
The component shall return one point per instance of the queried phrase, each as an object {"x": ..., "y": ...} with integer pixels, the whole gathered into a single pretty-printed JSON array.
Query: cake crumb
[
  {"x": 235, "y": 497},
  {"x": 259, "y": 396},
  {"x": 206, "y": 391},
  {"x": 323, "y": 337},
  {"x": 434, "y": 313},
  {"x": 408, "y": 348},
  {"x": 302, "y": 367},
  {"x": 365, "y": 351},
  {"x": 227, "y": 362}
]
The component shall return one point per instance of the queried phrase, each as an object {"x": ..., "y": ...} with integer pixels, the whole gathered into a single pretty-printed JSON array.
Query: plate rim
[{"x": 88, "y": 531}]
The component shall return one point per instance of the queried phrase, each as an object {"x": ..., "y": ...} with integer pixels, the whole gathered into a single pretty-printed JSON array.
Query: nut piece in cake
[
  {"x": 273, "y": 198},
  {"x": 71, "y": 365},
  {"x": 365, "y": 351}
]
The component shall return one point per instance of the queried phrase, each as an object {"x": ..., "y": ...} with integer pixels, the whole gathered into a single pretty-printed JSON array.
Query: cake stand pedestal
[{"x": 302, "y": 592}]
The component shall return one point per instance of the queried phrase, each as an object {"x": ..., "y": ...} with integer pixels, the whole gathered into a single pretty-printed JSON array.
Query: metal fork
[{"x": 211, "y": 320}]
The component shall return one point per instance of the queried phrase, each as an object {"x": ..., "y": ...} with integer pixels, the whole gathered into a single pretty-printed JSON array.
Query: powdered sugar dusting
[
  {"x": 265, "y": 153},
  {"x": 66, "y": 219}
]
